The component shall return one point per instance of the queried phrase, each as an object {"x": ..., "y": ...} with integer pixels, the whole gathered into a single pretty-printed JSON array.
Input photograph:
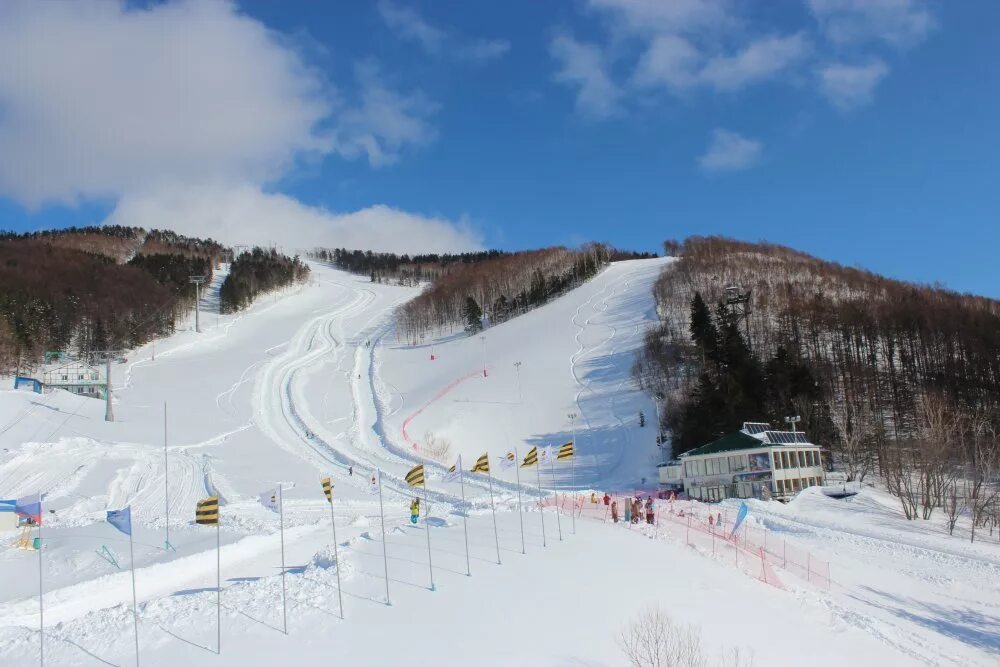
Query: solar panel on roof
[
  {"x": 786, "y": 437},
  {"x": 755, "y": 428}
]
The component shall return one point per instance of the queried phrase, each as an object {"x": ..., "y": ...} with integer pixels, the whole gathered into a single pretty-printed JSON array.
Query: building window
[
  {"x": 737, "y": 463},
  {"x": 784, "y": 460},
  {"x": 795, "y": 485},
  {"x": 802, "y": 459},
  {"x": 777, "y": 461}
]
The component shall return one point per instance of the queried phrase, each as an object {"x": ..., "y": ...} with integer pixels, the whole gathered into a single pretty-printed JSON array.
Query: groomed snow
[{"x": 308, "y": 383}]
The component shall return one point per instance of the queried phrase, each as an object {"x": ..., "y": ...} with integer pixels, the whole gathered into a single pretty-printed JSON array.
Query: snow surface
[{"x": 312, "y": 381}]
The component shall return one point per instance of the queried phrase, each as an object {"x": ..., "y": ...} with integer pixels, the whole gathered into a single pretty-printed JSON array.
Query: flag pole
[
  {"x": 281, "y": 522},
  {"x": 552, "y": 473},
  {"x": 427, "y": 528},
  {"x": 541, "y": 500},
  {"x": 573, "y": 475},
  {"x": 520, "y": 517},
  {"x": 218, "y": 586},
  {"x": 465, "y": 516},
  {"x": 166, "y": 484},
  {"x": 41, "y": 612},
  {"x": 385, "y": 558},
  {"x": 135, "y": 604},
  {"x": 336, "y": 557},
  {"x": 496, "y": 536}
]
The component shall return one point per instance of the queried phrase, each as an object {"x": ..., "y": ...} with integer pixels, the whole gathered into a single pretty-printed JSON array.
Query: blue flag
[
  {"x": 121, "y": 519},
  {"x": 739, "y": 519},
  {"x": 29, "y": 506}
]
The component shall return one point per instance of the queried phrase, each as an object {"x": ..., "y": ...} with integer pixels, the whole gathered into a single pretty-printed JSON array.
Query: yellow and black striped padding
[
  {"x": 482, "y": 464},
  {"x": 327, "y": 489},
  {"x": 416, "y": 476},
  {"x": 531, "y": 458},
  {"x": 565, "y": 452},
  {"x": 207, "y": 511}
]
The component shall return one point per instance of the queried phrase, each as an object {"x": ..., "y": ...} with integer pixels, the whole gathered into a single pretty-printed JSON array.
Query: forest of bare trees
[
  {"x": 93, "y": 288},
  {"x": 388, "y": 267},
  {"x": 499, "y": 288},
  {"x": 906, "y": 377}
]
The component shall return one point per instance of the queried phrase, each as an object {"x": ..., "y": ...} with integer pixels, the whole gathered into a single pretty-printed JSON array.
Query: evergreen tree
[
  {"x": 473, "y": 316},
  {"x": 703, "y": 331}
]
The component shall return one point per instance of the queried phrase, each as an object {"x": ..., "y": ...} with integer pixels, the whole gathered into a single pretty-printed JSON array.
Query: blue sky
[{"x": 863, "y": 131}]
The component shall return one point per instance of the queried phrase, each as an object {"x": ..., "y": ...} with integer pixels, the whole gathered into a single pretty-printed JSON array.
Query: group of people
[{"x": 635, "y": 508}]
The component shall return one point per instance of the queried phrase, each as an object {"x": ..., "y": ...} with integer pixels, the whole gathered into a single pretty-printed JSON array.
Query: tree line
[
  {"x": 861, "y": 358},
  {"x": 93, "y": 288},
  {"x": 384, "y": 267},
  {"x": 257, "y": 272}
]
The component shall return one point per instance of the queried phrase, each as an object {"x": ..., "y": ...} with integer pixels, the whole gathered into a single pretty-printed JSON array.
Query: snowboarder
[
  {"x": 607, "y": 499},
  {"x": 350, "y": 471},
  {"x": 415, "y": 510},
  {"x": 593, "y": 498},
  {"x": 614, "y": 510},
  {"x": 649, "y": 510},
  {"x": 711, "y": 520}
]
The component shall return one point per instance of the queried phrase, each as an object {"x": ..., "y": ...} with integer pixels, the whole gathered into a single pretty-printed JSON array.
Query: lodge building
[{"x": 754, "y": 462}]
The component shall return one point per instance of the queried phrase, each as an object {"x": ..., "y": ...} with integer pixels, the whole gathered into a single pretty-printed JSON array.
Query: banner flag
[
  {"x": 121, "y": 519},
  {"x": 29, "y": 506},
  {"x": 455, "y": 471},
  {"x": 327, "y": 489},
  {"x": 416, "y": 475},
  {"x": 207, "y": 511},
  {"x": 565, "y": 452},
  {"x": 373, "y": 485},
  {"x": 270, "y": 499},
  {"x": 739, "y": 519},
  {"x": 482, "y": 464},
  {"x": 509, "y": 461},
  {"x": 531, "y": 458}
]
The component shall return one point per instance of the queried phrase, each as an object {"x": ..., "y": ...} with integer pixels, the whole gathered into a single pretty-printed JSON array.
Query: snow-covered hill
[{"x": 314, "y": 383}]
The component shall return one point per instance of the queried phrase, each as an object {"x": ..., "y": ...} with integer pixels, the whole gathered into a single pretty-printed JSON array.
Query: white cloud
[
  {"x": 245, "y": 215},
  {"x": 408, "y": 24},
  {"x": 851, "y": 86},
  {"x": 896, "y": 22},
  {"x": 384, "y": 121},
  {"x": 761, "y": 60},
  {"x": 97, "y": 99},
  {"x": 729, "y": 151},
  {"x": 487, "y": 49},
  {"x": 674, "y": 63},
  {"x": 653, "y": 17},
  {"x": 583, "y": 66}
]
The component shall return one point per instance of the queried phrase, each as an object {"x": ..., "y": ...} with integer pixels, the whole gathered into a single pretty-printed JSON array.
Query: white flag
[
  {"x": 455, "y": 471},
  {"x": 373, "y": 485},
  {"x": 271, "y": 499},
  {"x": 507, "y": 462}
]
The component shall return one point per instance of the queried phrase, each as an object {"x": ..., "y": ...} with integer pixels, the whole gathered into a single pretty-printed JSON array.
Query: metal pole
[
  {"x": 197, "y": 307},
  {"x": 573, "y": 473},
  {"x": 541, "y": 498},
  {"x": 281, "y": 522},
  {"x": 336, "y": 557},
  {"x": 517, "y": 367},
  {"x": 427, "y": 528},
  {"x": 108, "y": 413},
  {"x": 218, "y": 586},
  {"x": 465, "y": 517},
  {"x": 166, "y": 482},
  {"x": 135, "y": 611},
  {"x": 552, "y": 473},
  {"x": 385, "y": 558},
  {"x": 41, "y": 611},
  {"x": 496, "y": 536},
  {"x": 520, "y": 517}
]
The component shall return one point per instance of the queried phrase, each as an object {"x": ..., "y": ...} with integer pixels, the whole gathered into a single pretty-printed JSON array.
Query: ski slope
[{"x": 313, "y": 382}]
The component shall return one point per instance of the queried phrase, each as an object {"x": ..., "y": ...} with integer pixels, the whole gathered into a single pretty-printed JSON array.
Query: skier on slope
[
  {"x": 415, "y": 510},
  {"x": 649, "y": 510},
  {"x": 614, "y": 510},
  {"x": 607, "y": 499}
]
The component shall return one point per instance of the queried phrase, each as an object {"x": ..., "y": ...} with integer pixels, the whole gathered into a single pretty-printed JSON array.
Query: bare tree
[
  {"x": 653, "y": 639},
  {"x": 983, "y": 490}
]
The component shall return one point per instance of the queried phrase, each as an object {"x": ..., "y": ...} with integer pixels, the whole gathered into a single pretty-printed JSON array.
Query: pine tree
[
  {"x": 473, "y": 316},
  {"x": 704, "y": 333},
  {"x": 642, "y": 419}
]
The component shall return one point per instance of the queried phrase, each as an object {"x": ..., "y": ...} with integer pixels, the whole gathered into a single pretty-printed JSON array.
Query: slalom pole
[
  {"x": 427, "y": 528},
  {"x": 281, "y": 522},
  {"x": 520, "y": 517},
  {"x": 41, "y": 612},
  {"x": 552, "y": 473},
  {"x": 465, "y": 516},
  {"x": 385, "y": 558},
  {"x": 541, "y": 499},
  {"x": 496, "y": 536},
  {"x": 135, "y": 605},
  {"x": 218, "y": 586},
  {"x": 336, "y": 557}
]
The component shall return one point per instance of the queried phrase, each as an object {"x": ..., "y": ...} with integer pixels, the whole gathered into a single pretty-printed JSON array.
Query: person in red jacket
[{"x": 607, "y": 499}]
